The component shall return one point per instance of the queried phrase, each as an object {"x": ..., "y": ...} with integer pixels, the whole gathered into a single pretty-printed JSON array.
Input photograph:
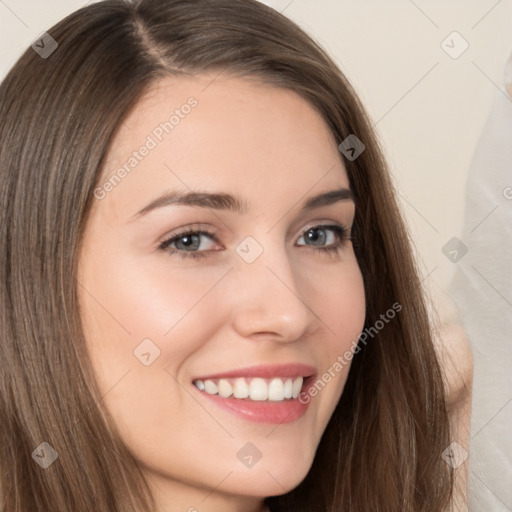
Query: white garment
[{"x": 482, "y": 290}]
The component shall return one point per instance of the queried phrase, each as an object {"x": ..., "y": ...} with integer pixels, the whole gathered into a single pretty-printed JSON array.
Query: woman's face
[{"x": 204, "y": 313}]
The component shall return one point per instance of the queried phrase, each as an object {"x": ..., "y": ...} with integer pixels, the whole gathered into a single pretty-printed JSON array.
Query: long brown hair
[{"x": 381, "y": 450}]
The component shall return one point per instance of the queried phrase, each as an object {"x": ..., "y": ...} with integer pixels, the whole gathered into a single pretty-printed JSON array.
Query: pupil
[
  {"x": 188, "y": 240},
  {"x": 314, "y": 236}
]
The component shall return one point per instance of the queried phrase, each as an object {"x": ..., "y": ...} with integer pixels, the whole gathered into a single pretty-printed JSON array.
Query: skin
[{"x": 294, "y": 303}]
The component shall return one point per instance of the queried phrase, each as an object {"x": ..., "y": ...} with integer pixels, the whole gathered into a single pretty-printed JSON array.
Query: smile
[
  {"x": 257, "y": 389},
  {"x": 261, "y": 394}
]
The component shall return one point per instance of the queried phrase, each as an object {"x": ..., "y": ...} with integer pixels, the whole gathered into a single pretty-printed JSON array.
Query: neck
[{"x": 172, "y": 496}]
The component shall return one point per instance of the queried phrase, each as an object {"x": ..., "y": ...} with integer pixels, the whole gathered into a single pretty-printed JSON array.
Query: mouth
[
  {"x": 253, "y": 388},
  {"x": 267, "y": 394}
]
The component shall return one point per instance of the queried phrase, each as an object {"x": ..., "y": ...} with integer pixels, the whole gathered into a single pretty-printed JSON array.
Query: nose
[{"x": 268, "y": 299}]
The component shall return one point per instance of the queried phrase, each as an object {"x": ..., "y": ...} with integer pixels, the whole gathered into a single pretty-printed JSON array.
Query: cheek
[
  {"x": 125, "y": 301},
  {"x": 142, "y": 324},
  {"x": 346, "y": 307},
  {"x": 339, "y": 299}
]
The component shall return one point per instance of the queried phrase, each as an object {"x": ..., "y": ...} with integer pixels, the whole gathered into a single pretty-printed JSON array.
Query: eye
[
  {"x": 326, "y": 238},
  {"x": 191, "y": 243},
  {"x": 188, "y": 243}
]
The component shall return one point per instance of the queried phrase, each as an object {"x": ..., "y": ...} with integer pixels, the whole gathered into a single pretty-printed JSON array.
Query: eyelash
[{"x": 340, "y": 231}]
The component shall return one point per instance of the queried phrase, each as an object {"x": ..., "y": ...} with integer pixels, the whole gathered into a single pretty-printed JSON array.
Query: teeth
[
  {"x": 210, "y": 387},
  {"x": 288, "y": 388},
  {"x": 240, "y": 389},
  {"x": 276, "y": 390},
  {"x": 297, "y": 384},
  {"x": 259, "y": 390},
  {"x": 225, "y": 389}
]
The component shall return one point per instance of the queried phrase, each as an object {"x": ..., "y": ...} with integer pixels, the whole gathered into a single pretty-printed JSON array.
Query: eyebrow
[{"x": 224, "y": 201}]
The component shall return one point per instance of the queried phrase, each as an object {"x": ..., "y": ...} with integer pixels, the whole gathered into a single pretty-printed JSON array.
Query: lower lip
[{"x": 261, "y": 412}]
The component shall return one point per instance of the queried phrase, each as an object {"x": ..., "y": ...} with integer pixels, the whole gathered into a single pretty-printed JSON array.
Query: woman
[{"x": 208, "y": 295}]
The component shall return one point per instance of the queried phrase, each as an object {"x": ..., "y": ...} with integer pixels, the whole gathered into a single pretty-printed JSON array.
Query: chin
[{"x": 278, "y": 475}]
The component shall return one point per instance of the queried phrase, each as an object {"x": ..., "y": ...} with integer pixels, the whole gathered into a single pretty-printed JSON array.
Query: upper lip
[{"x": 265, "y": 371}]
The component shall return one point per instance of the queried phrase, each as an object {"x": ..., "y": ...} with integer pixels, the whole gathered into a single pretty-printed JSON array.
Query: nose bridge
[{"x": 267, "y": 295}]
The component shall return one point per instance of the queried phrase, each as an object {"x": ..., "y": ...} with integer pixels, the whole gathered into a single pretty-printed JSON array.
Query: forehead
[{"x": 220, "y": 133}]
